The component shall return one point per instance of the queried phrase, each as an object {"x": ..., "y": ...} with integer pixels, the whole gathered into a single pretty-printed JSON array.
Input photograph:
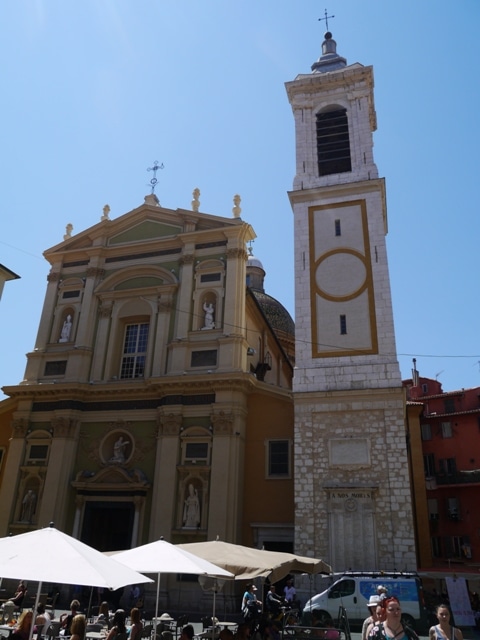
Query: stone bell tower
[{"x": 352, "y": 490}]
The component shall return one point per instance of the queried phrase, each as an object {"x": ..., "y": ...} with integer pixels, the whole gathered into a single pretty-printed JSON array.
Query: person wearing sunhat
[{"x": 371, "y": 606}]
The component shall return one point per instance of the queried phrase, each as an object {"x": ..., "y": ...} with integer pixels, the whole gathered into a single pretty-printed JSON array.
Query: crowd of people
[
  {"x": 385, "y": 621},
  {"x": 73, "y": 625},
  {"x": 261, "y": 622}
]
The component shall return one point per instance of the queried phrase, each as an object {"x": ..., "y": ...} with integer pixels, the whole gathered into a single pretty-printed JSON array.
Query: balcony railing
[{"x": 459, "y": 477}]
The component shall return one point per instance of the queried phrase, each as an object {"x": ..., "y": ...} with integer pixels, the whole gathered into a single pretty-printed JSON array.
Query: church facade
[
  {"x": 352, "y": 486},
  {"x": 157, "y": 400}
]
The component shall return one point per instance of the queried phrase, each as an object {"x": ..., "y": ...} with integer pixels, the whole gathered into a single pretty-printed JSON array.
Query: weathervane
[
  {"x": 155, "y": 168},
  {"x": 326, "y": 19}
]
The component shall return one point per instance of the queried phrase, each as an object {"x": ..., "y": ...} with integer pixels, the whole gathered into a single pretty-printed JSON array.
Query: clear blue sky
[{"x": 94, "y": 91}]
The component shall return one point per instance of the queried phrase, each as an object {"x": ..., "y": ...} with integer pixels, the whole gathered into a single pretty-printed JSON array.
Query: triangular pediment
[
  {"x": 140, "y": 226},
  {"x": 146, "y": 230}
]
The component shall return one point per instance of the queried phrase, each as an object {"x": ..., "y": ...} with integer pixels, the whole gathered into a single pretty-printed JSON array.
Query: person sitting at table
[
  {"x": 103, "y": 614},
  {"x": 78, "y": 627},
  {"x": 118, "y": 630},
  {"x": 42, "y": 620},
  {"x": 23, "y": 626},
  {"x": 20, "y": 593},
  {"x": 66, "y": 618},
  {"x": 137, "y": 627}
]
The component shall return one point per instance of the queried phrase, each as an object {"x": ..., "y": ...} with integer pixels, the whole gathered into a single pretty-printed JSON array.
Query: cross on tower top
[{"x": 326, "y": 19}]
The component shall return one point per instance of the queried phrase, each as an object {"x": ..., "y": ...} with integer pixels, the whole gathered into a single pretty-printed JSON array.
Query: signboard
[{"x": 460, "y": 602}]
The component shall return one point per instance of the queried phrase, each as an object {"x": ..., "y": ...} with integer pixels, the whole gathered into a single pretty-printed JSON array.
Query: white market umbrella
[
  {"x": 162, "y": 557},
  {"x": 48, "y": 555}
]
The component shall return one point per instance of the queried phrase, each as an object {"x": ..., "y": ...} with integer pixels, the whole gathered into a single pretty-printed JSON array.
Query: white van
[{"x": 352, "y": 590}]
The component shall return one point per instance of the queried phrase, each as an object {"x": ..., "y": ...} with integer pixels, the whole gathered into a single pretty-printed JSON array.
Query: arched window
[{"x": 333, "y": 142}]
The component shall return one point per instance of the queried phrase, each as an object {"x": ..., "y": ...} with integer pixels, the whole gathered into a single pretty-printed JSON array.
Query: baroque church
[{"x": 169, "y": 395}]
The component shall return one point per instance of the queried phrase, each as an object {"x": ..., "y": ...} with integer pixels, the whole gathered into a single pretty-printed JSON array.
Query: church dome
[
  {"x": 254, "y": 262},
  {"x": 275, "y": 312}
]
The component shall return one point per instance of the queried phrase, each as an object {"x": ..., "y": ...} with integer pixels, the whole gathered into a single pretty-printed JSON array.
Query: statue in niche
[
  {"x": 66, "y": 329},
  {"x": 209, "y": 311},
  {"x": 119, "y": 450},
  {"x": 29, "y": 503},
  {"x": 191, "y": 509}
]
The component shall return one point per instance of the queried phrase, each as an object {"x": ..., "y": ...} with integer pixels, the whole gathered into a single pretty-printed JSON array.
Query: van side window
[{"x": 342, "y": 588}]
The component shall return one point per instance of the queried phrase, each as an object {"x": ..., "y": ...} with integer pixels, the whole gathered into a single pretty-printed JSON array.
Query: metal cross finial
[
  {"x": 155, "y": 168},
  {"x": 326, "y": 19}
]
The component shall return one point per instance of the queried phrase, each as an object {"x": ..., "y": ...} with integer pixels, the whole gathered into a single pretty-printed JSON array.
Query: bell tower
[{"x": 352, "y": 490}]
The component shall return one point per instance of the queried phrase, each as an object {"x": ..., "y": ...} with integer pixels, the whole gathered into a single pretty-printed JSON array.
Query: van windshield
[{"x": 342, "y": 589}]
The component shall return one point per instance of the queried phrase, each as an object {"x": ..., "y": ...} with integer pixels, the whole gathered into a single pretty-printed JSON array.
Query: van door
[{"x": 342, "y": 594}]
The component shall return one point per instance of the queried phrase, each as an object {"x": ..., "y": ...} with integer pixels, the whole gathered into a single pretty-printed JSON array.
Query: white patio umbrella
[
  {"x": 48, "y": 555},
  {"x": 162, "y": 557}
]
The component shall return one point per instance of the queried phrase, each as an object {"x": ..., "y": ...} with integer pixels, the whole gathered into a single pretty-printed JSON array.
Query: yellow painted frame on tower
[{"x": 367, "y": 285}]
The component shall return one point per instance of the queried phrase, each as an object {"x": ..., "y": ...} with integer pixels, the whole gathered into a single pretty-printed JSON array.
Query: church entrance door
[{"x": 108, "y": 526}]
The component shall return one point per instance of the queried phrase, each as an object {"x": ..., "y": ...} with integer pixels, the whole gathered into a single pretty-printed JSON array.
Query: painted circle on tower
[{"x": 341, "y": 274}]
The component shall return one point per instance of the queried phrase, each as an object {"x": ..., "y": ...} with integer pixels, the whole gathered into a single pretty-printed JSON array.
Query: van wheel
[{"x": 408, "y": 621}]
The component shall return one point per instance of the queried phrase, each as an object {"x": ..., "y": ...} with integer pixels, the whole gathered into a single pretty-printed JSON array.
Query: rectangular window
[
  {"x": 449, "y": 404},
  {"x": 432, "y": 508},
  {"x": 424, "y": 388},
  {"x": 466, "y": 547},
  {"x": 426, "y": 431},
  {"x": 134, "y": 351},
  {"x": 450, "y": 466},
  {"x": 278, "y": 459},
  {"x": 453, "y": 509},
  {"x": 210, "y": 277},
  {"x": 429, "y": 464},
  {"x": 453, "y": 546},
  {"x": 37, "y": 453},
  {"x": 446, "y": 429},
  {"x": 338, "y": 228},
  {"x": 343, "y": 325},
  {"x": 436, "y": 543},
  {"x": 71, "y": 294},
  {"x": 196, "y": 453}
]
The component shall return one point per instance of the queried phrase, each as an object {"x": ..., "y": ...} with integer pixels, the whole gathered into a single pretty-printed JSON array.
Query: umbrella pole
[
  {"x": 214, "y": 627},
  {"x": 35, "y": 610},
  {"x": 156, "y": 603},
  {"x": 89, "y": 603}
]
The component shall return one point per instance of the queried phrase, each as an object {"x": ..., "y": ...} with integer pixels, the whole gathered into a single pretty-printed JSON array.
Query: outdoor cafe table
[{"x": 225, "y": 625}]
